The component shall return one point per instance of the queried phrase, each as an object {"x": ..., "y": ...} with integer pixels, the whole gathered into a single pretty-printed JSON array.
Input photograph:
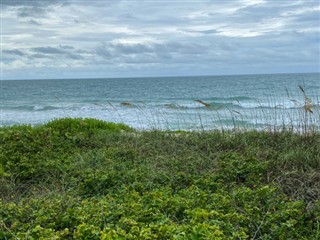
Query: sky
[{"x": 95, "y": 39}]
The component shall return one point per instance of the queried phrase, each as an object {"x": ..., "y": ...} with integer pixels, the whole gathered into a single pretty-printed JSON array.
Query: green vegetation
[{"x": 88, "y": 179}]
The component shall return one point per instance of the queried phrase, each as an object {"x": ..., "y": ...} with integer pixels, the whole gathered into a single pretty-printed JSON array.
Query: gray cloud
[
  {"x": 32, "y": 8},
  {"x": 278, "y": 9},
  {"x": 209, "y": 31},
  {"x": 49, "y": 53},
  {"x": 66, "y": 47},
  {"x": 129, "y": 49},
  {"x": 149, "y": 52},
  {"x": 74, "y": 56},
  {"x": 16, "y": 52},
  {"x": 120, "y": 36},
  {"x": 64, "y": 51},
  {"x": 39, "y": 55},
  {"x": 31, "y": 22},
  {"x": 48, "y": 50},
  {"x": 33, "y": 11},
  {"x": 309, "y": 18},
  {"x": 30, "y": 2}
]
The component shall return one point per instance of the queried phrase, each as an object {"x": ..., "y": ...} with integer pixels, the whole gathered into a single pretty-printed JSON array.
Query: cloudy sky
[{"x": 72, "y": 39}]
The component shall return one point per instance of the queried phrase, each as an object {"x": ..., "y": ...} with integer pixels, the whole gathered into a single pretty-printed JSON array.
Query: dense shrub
[{"x": 88, "y": 179}]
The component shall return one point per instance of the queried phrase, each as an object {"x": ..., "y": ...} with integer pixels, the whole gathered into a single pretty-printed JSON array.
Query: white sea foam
[{"x": 157, "y": 106}]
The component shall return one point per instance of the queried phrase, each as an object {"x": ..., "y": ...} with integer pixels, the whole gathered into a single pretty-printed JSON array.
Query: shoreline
[{"x": 303, "y": 128}]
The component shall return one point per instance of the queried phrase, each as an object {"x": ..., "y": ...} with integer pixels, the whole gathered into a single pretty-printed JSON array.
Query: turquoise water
[{"x": 256, "y": 101}]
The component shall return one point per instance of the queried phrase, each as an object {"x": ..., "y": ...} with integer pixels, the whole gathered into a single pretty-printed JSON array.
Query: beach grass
[{"x": 89, "y": 179}]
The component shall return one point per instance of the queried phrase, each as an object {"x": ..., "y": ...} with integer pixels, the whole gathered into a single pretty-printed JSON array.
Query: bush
[{"x": 87, "y": 179}]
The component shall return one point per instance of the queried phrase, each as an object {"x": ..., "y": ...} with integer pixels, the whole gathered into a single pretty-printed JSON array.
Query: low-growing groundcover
[{"x": 88, "y": 179}]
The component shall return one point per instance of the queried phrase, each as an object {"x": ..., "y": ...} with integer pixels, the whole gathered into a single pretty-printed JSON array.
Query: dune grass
[{"x": 89, "y": 179}]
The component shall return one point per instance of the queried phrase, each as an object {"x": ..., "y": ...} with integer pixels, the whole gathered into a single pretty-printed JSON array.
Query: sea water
[{"x": 189, "y": 103}]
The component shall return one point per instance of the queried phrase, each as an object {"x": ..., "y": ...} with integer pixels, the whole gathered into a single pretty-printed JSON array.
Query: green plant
[{"x": 72, "y": 179}]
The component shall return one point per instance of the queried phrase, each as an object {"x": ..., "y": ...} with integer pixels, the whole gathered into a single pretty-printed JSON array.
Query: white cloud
[
  {"x": 144, "y": 35},
  {"x": 16, "y": 64}
]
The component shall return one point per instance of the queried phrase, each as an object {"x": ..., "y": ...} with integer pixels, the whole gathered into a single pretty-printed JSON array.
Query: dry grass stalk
[{"x": 308, "y": 105}]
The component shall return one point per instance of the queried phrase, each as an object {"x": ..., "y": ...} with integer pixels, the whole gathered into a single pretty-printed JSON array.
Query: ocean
[{"x": 169, "y": 103}]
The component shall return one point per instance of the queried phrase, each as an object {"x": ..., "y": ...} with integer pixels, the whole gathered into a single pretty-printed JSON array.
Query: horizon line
[{"x": 166, "y": 76}]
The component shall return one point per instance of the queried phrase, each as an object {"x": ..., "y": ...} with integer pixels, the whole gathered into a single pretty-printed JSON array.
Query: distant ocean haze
[{"x": 189, "y": 103}]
